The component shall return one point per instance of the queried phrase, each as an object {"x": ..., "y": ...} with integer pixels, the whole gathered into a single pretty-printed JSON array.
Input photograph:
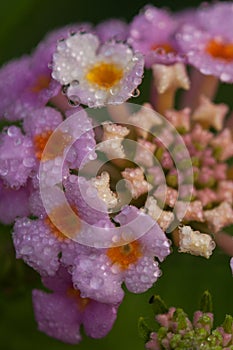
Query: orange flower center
[
  {"x": 40, "y": 142},
  {"x": 63, "y": 222},
  {"x": 54, "y": 148},
  {"x": 218, "y": 49},
  {"x": 105, "y": 75},
  {"x": 42, "y": 83},
  {"x": 125, "y": 255},
  {"x": 167, "y": 48},
  {"x": 75, "y": 294}
]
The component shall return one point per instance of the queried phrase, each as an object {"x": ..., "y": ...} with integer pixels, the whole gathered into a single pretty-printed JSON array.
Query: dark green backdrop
[{"x": 23, "y": 23}]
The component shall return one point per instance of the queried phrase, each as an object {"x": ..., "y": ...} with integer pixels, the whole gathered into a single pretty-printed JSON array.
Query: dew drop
[
  {"x": 12, "y": 131},
  {"x": 28, "y": 162},
  {"x": 135, "y": 93},
  {"x": 74, "y": 83},
  {"x": 17, "y": 142},
  {"x": 74, "y": 101},
  {"x": 26, "y": 250},
  {"x": 144, "y": 279},
  {"x": 3, "y": 171},
  {"x": 65, "y": 88},
  {"x": 96, "y": 282}
]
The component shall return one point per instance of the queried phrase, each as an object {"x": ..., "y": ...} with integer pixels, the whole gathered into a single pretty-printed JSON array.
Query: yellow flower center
[
  {"x": 63, "y": 222},
  {"x": 75, "y": 294},
  {"x": 218, "y": 49},
  {"x": 105, "y": 75},
  {"x": 41, "y": 83},
  {"x": 125, "y": 255}
]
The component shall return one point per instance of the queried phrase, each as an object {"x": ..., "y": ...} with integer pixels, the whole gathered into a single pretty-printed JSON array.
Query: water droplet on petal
[
  {"x": 12, "y": 131},
  {"x": 96, "y": 282},
  {"x": 135, "y": 93},
  {"x": 28, "y": 162},
  {"x": 74, "y": 83},
  {"x": 74, "y": 101},
  {"x": 65, "y": 88},
  {"x": 26, "y": 250},
  {"x": 3, "y": 171}
]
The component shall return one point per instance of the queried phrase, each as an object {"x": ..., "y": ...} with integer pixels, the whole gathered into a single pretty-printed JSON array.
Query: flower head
[
  {"x": 61, "y": 313},
  {"x": 151, "y": 32},
  {"x": 176, "y": 331},
  {"x": 96, "y": 74},
  {"x": 208, "y": 43}
]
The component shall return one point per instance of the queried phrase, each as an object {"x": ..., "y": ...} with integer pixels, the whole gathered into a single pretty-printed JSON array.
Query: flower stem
[{"x": 206, "y": 85}]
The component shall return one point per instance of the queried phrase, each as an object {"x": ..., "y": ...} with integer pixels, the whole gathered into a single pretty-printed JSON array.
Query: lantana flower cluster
[
  {"x": 176, "y": 331},
  {"x": 88, "y": 231}
]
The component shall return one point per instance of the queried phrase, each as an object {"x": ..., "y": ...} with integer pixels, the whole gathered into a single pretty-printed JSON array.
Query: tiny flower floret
[
  {"x": 101, "y": 183},
  {"x": 94, "y": 74},
  {"x": 113, "y": 135},
  {"x": 136, "y": 182},
  {"x": 209, "y": 114},
  {"x": 195, "y": 243}
]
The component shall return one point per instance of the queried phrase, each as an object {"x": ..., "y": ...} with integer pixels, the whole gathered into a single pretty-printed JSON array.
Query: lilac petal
[
  {"x": 140, "y": 277},
  {"x": 83, "y": 149},
  {"x": 112, "y": 29},
  {"x": 13, "y": 203},
  {"x": 41, "y": 120},
  {"x": 94, "y": 277},
  {"x": 36, "y": 205},
  {"x": 217, "y": 19},
  {"x": 152, "y": 26},
  {"x": 85, "y": 197},
  {"x": 15, "y": 77},
  {"x": 16, "y": 157},
  {"x": 57, "y": 316},
  {"x": 36, "y": 245},
  {"x": 60, "y": 282},
  {"x": 99, "y": 318},
  {"x": 192, "y": 42}
]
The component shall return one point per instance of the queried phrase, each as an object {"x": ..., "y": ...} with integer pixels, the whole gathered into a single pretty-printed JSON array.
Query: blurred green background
[{"x": 23, "y": 23}]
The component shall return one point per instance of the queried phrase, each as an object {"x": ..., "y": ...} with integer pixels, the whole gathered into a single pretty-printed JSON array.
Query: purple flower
[
  {"x": 208, "y": 44},
  {"x": 152, "y": 33},
  {"x": 26, "y": 83},
  {"x": 30, "y": 87},
  {"x": 99, "y": 274},
  {"x": 45, "y": 242},
  {"x": 112, "y": 29},
  {"x": 38, "y": 243},
  {"x": 94, "y": 74},
  {"x": 61, "y": 313}
]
